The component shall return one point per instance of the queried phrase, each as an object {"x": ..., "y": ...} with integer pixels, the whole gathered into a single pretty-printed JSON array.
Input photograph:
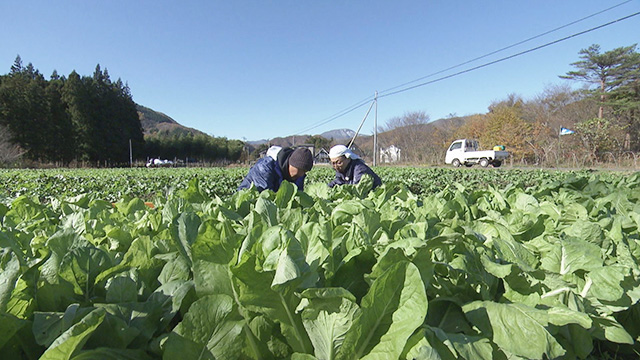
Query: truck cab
[{"x": 466, "y": 152}]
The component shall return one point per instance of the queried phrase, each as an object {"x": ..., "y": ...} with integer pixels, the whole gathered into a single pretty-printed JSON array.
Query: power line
[
  {"x": 337, "y": 115},
  {"x": 510, "y": 56},
  {"x": 385, "y": 94},
  {"x": 506, "y": 47}
]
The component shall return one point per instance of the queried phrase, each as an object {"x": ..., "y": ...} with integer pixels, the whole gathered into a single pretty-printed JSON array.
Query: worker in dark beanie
[{"x": 278, "y": 165}]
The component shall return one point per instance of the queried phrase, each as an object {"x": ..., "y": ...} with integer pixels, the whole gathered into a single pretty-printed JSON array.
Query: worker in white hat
[{"x": 349, "y": 167}]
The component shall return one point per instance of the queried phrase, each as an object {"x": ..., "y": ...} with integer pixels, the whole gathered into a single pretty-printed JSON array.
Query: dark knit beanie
[{"x": 301, "y": 158}]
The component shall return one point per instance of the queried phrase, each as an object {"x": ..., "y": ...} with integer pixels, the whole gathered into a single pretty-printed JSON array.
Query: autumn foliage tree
[
  {"x": 600, "y": 136},
  {"x": 474, "y": 127},
  {"x": 506, "y": 126}
]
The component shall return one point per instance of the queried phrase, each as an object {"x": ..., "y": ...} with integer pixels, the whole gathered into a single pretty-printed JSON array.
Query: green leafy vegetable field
[{"x": 435, "y": 264}]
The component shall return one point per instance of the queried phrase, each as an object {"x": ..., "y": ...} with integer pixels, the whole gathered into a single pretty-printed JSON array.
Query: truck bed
[{"x": 488, "y": 154}]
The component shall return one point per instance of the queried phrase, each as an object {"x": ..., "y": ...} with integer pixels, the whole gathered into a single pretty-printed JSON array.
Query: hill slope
[{"x": 157, "y": 123}]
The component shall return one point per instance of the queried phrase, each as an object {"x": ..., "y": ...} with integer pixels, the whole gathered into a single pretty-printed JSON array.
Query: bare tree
[
  {"x": 410, "y": 133},
  {"x": 9, "y": 151}
]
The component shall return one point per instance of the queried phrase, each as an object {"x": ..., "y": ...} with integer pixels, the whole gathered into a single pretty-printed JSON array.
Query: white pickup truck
[{"x": 466, "y": 152}]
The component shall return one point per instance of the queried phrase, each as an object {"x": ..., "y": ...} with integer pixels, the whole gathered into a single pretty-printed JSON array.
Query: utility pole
[
  {"x": 130, "y": 155},
  {"x": 375, "y": 131}
]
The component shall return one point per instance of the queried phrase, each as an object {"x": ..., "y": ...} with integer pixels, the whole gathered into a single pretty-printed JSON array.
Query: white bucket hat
[{"x": 340, "y": 150}]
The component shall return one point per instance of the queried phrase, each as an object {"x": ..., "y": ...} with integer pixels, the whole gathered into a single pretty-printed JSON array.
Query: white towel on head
[
  {"x": 273, "y": 151},
  {"x": 340, "y": 150}
]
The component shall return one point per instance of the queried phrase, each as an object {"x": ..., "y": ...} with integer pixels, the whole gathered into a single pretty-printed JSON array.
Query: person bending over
[
  {"x": 278, "y": 165},
  {"x": 349, "y": 167}
]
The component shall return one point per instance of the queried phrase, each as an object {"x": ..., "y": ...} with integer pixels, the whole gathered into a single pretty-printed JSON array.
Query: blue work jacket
[
  {"x": 268, "y": 172},
  {"x": 353, "y": 173}
]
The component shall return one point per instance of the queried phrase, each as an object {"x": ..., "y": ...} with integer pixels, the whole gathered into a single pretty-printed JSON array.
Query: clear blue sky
[{"x": 259, "y": 69}]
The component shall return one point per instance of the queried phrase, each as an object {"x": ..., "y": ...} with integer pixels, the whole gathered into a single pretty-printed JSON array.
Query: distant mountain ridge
[
  {"x": 156, "y": 123},
  {"x": 338, "y": 135}
]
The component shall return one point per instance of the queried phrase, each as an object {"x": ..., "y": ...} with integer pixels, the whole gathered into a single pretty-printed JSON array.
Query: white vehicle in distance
[
  {"x": 466, "y": 152},
  {"x": 154, "y": 163}
]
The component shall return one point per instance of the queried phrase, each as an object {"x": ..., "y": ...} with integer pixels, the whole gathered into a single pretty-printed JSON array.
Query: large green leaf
[
  {"x": 170, "y": 298},
  {"x": 122, "y": 289},
  {"x": 518, "y": 329},
  {"x": 327, "y": 314},
  {"x": 394, "y": 307},
  {"x": 446, "y": 315},
  {"x": 10, "y": 271},
  {"x": 210, "y": 330},
  {"x": 464, "y": 346},
  {"x": 314, "y": 238},
  {"x": 345, "y": 211},
  {"x": 217, "y": 241},
  {"x": 9, "y": 242},
  {"x": 9, "y": 325},
  {"x": 574, "y": 254},
  {"x": 176, "y": 268},
  {"x": 285, "y": 195},
  {"x": 211, "y": 278},
  {"x": 72, "y": 340},
  {"x": 184, "y": 231},
  {"x": 193, "y": 193},
  {"x": 268, "y": 210},
  {"x": 606, "y": 282},
  {"x": 587, "y": 231},
  {"x": 25, "y": 212},
  {"x": 292, "y": 265},
  {"x": 48, "y": 326},
  {"x": 349, "y": 271},
  {"x": 608, "y": 328},
  {"x": 423, "y": 345},
  {"x": 514, "y": 252},
  {"x": 60, "y": 243},
  {"x": 278, "y": 303},
  {"x": 142, "y": 319},
  {"x": 523, "y": 201},
  {"x": 141, "y": 257},
  {"x": 81, "y": 267}
]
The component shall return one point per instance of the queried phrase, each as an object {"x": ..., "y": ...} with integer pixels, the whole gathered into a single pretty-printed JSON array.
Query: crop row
[{"x": 146, "y": 184}]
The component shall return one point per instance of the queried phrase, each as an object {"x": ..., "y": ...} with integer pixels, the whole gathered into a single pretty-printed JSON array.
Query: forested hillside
[
  {"x": 167, "y": 139},
  {"x": 91, "y": 121},
  {"x": 157, "y": 123},
  {"x": 65, "y": 119}
]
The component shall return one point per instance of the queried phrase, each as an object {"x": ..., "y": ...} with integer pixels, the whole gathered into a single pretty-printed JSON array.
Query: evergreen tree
[
  {"x": 23, "y": 108},
  {"x": 77, "y": 97},
  {"x": 616, "y": 74},
  {"x": 61, "y": 146},
  {"x": 17, "y": 65},
  {"x": 87, "y": 118},
  {"x": 606, "y": 70}
]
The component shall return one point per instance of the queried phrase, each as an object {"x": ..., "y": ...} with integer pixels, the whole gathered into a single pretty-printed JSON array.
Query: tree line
[
  {"x": 198, "y": 148},
  {"x": 86, "y": 119},
  {"x": 604, "y": 114}
]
